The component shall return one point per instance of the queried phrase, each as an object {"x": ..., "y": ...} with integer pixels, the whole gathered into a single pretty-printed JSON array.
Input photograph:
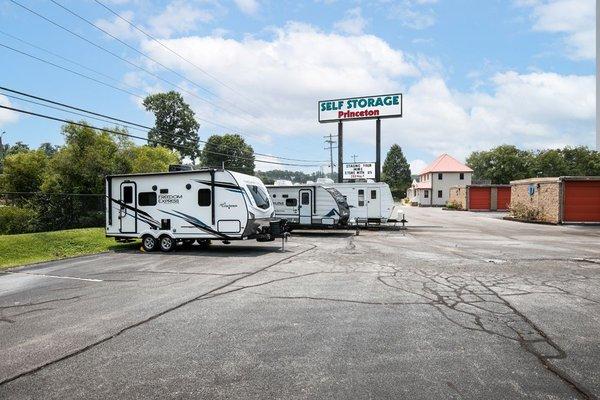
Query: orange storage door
[
  {"x": 582, "y": 201},
  {"x": 480, "y": 198},
  {"x": 503, "y": 198}
]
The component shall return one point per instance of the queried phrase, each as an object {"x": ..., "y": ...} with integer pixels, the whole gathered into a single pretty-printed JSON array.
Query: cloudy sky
[{"x": 474, "y": 74}]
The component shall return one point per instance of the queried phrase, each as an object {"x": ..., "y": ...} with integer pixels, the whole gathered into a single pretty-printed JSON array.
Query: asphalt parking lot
[{"x": 461, "y": 305}]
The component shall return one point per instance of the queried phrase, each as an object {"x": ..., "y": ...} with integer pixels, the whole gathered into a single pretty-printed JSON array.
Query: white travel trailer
[
  {"x": 309, "y": 205},
  {"x": 368, "y": 201},
  {"x": 167, "y": 208}
]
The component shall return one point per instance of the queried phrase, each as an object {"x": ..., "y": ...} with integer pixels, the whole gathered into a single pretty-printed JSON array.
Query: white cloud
[
  {"x": 285, "y": 75},
  {"x": 417, "y": 166},
  {"x": 415, "y": 14},
  {"x": 249, "y": 7},
  {"x": 353, "y": 23},
  {"x": 7, "y": 116},
  {"x": 120, "y": 28},
  {"x": 178, "y": 17},
  {"x": 576, "y": 19}
]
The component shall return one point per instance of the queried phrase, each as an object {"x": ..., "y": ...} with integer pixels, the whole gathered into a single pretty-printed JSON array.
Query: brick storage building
[
  {"x": 566, "y": 199},
  {"x": 481, "y": 197}
]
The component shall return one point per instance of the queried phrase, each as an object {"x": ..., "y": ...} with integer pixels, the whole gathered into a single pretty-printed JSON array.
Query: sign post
[{"x": 360, "y": 108}]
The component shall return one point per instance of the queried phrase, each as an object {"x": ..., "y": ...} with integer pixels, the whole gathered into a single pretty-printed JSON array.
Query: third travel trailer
[
  {"x": 309, "y": 205},
  {"x": 368, "y": 201}
]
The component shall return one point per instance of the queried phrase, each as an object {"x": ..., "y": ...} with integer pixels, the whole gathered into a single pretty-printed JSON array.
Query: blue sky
[{"x": 474, "y": 73}]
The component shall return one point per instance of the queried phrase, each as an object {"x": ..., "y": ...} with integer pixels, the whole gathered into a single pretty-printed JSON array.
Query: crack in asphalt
[{"x": 146, "y": 320}]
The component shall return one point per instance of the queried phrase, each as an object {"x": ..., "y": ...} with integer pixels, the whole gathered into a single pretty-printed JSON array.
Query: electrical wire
[
  {"x": 146, "y": 139},
  {"x": 122, "y": 122}
]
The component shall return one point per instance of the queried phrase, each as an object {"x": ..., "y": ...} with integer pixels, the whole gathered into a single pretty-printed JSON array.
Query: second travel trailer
[
  {"x": 167, "y": 208},
  {"x": 368, "y": 201},
  {"x": 309, "y": 205}
]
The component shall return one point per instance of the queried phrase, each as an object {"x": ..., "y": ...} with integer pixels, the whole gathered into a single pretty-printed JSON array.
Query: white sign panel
[
  {"x": 370, "y": 107},
  {"x": 359, "y": 171}
]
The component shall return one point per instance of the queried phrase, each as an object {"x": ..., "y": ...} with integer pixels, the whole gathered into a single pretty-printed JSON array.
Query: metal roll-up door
[
  {"x": 480, "y": 198},
  {"x": 503, "y": 198},
  {"x": 582, "y": 201}
]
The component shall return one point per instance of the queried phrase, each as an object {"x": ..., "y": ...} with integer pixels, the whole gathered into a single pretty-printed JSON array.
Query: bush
[
  {"x": 524, "y": 212},
  {"x": 454, "y": 205},
  {"x": 16, "y": 220}
]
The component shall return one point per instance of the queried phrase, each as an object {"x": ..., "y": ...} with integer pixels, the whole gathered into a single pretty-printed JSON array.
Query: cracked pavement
[{"x": 462, "y": 305}]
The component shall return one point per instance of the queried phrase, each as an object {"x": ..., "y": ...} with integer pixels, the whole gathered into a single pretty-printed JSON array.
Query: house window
[
  {"x": 128, "y": 194},
  {"x": 462, "y": 176},
  {"x": 204, "y": 199},
  {"x": 427, "y": 194},
  {"x": 291, "y": 202},
  {"x": 440, "y": 176},
  {"x": 147, "y": 198},
  {"x": 361, "y": 197},
  {"x": 440, "y": 194}
]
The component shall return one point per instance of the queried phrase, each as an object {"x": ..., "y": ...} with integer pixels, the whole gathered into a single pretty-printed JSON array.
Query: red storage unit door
[
  {"x": 503, "y": 198},
  {"x": 582, "y": 201},
  {"x": 480, "y": 198}
]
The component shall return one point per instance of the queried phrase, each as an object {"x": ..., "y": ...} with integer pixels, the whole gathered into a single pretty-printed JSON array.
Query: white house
[{"x": 432, "y": 187}]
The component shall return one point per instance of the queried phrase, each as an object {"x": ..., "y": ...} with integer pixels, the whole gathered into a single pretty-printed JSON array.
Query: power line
[
  {"x": 233, "y": 130},
  {"x": 148, "y": 57},
  {"x": 123, "y": 122},
  {"x": 142, "y": 138},
  {"x": 136, "y": 27},
  {"x": 123, "y": 59}
]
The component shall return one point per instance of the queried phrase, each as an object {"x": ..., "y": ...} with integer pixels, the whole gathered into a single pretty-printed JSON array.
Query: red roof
[
  {"x": 445, "y": 163},
  {"x": 422, "y": 185}
]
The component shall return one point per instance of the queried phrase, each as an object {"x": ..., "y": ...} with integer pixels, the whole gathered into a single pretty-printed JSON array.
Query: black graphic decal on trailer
[
  {"x": 141, "y": 215},
  {"x": 197, "y": 223}
]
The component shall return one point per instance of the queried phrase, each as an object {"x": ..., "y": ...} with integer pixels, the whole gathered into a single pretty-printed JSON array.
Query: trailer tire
[
  {"x": 149, "y": 243},
  {"x": 166, "y": 243}
]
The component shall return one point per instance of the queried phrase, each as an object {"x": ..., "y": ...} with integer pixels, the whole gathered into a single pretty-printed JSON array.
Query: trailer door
[
  {"x": 305, "y": 207},
  {"x": 373, "y": 203},
  {"x": 128, "y": 208}
]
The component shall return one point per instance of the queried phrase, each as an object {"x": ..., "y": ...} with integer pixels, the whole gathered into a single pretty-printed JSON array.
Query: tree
[
  {"x": 396, "y": 172},
  {"x": 175, "y": 126},
  {"x": 23, "y": 171},
  {"x": 49, "y": 148},
  {"x": 152, "y": 159},
  {"x": 81, "y": 164},
  {"x": 231, "y": 150},
  {"x": 549, "y": 163},
  {"x": 501, "y": 164}
]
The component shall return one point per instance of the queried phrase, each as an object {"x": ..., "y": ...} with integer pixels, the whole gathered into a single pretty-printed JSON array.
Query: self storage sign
[
  {"x": 371, "y": 107},
  {"x": 359, "y": 171}
]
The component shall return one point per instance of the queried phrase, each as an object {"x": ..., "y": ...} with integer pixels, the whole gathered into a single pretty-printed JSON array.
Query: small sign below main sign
[
  {"x": 357, "y": 108},
  {"x": 359, "y": 171}
]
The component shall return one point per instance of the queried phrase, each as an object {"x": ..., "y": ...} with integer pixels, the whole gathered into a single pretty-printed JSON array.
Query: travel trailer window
[
  {"x": 291, "y": 202},
  {"x": 260, "y": 198},
  {"x": 128, "y": 194},
  {"x": 147, "y": 199},
  {"x": 373, "y": 194},
  {"x": 204, "y": 197},
  {"x": 305, "y": 198},
  {"x": 361, "y": 197}
]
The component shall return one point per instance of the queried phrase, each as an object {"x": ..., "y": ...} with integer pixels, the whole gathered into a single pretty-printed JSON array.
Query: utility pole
[
  {"x": 354, "y": 156},
  {"x": 330, "y": 142}
]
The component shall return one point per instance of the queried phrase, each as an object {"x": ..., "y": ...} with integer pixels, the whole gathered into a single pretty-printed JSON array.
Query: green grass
[{"x": 31, "y": 248}]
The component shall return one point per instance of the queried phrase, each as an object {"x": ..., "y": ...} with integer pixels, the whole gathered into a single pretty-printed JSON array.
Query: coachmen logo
[
  {"x": 169, "y": 198},
  {"x": 228, "y": 206}
]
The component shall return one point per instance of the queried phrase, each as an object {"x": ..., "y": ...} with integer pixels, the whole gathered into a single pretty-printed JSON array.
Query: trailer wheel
[
  {"x": 149, "y": 243},
  {"x": 166, "y": 243}
]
